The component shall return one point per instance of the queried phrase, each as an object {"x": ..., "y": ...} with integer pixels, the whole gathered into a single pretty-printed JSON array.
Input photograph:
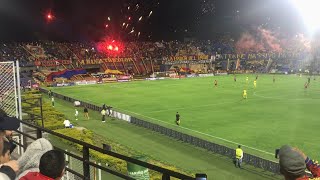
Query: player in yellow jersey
[
  {"x": 247, "y": 79},
  {"x": 244, "y": 95},
  {"x": 255, "y": 83}
]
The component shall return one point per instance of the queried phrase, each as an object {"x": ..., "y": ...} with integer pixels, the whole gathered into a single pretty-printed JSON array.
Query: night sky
[{"x": 81, "y": 20}]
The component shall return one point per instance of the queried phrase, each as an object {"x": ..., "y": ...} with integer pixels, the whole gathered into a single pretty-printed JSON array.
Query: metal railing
[
  {"x": 85, "y": 158},
  {"x": 253, "y": 160}
]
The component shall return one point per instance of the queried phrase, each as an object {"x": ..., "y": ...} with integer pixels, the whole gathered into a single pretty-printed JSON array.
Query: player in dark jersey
[
  {"x": 306, "y": 85},
  {"x": 274, "y": 79},
  {"x": 257, "y": 77},
  {"x": 178, "y": 119},
  {"x": 86, "y": 112},
  {"x": 215, "y": 83},
  {"x": 235, "y": 78}
]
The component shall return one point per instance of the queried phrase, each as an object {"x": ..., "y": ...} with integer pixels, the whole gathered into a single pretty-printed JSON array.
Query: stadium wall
[{"x": 255, "y": 161}]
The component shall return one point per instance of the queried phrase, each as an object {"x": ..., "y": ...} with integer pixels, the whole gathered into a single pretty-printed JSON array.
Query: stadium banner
[
  {"x": 138, "y": 172},
  {"x": 221, "y": 74},
  {"x": 85, "y": 82},
  {"x": 206, "y": 75},
  {"x": 186, "y": 62},
  {"x": 106, "y": 60},
  {"x": 62, "y": 84},
  {"x": 120, "y": 116},
  {"x": 123, "y": 78},
  {"x": 155, "y": 78},
  {"x": 52, "y": 63},
  {"x": 192, "y": 75},
  {"x": 237, "y": 56}
]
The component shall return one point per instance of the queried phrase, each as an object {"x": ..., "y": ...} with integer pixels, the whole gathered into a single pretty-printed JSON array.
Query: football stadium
[{"x": 159, "y": 90}]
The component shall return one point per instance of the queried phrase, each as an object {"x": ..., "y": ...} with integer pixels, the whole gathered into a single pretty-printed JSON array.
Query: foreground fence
[
  {"x": 255, "y": 161},
  {"x": 87, "y": 164}
]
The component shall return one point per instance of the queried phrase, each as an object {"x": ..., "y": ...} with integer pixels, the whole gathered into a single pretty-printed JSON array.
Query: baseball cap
[
  {"x": 8, "y": 123},
  {"x": 291, "y": 161}
]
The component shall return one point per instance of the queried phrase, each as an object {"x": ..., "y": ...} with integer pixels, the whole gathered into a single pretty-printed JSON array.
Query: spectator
[
  {"x": 103, "y": 113},
  {"x": 294, "y": 162},
  {"x": 29, "y": 161},
  {"x": 239, "y": 156},
  {"x": 7, "y": 169},
  {"x": 5, "y": 155},
  {"x": 52, "y": 101},
  {"x": 52, "y": 167},
  {"x": 67, "y": 123},
  {"x": 86, "y": 112},
  {"x": 76, "y": 114}
]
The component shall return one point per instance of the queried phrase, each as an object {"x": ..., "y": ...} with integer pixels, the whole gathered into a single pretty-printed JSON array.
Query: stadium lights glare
[{"x": 309, "y": 10}]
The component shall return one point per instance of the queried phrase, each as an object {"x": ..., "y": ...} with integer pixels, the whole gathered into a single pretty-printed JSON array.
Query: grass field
[
  {"x": 274, "y": 113},
  {"x": 161, "y": 148}
]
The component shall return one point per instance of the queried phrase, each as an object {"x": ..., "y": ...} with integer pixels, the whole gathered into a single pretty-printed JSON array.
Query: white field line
[
  {"x": 209, "y": 135},
  {"x": 232, "y": 142}
]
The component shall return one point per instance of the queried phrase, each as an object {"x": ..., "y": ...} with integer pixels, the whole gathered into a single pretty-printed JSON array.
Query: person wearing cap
[
  {"x": 7, "y": 170},
  {"x": 293, "y": 163}
]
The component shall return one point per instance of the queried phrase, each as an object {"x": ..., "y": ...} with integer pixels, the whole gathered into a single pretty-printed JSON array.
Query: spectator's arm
[{"x": 313, "y": 166}]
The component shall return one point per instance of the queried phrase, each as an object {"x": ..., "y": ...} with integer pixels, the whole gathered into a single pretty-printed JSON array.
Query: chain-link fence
[{"x": 8, "y": 90}]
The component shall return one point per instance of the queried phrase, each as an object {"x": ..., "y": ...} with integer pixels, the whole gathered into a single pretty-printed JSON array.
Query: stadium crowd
[{"x": 30, "y": 53}]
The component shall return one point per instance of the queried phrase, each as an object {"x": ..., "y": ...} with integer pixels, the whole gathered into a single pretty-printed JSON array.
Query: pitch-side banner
[{"x": 239, "y": 56}]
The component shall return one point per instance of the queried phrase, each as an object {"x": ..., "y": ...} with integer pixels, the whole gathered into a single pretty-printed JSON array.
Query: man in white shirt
[
  {"x": 52, "y": 101},
  {"x": 66, "y": 123},
  {"x": 76, "y": 114}
]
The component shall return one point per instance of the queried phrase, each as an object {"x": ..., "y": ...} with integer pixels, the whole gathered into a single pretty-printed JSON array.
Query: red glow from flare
[{"x": 110, "y": 47}]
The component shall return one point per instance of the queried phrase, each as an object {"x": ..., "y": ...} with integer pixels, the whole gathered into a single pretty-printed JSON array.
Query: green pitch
[{"x": 274, "y": 114}]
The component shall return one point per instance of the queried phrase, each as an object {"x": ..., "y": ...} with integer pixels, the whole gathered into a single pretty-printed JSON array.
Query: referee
[{"x": 178, "y": 119}]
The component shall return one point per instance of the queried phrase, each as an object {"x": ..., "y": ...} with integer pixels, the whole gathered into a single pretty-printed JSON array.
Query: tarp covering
[{"x": 65, "y": 73}]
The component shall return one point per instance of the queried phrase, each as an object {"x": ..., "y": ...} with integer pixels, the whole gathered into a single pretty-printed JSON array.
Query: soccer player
[
  {"x": 235, "y": 78},
  {"x": 215, "y": 83},
  {"x": 244, "y": 95},
  {"x": 309, "y": 80},
  {"x": 178, "y": 119},
  {"x": 255, "y": 83},
  {"x": 86, "y": 113},
  {"x": 49, "y": 93},
  {"x": 247, "y": 79},
  {"x": 76, "y": 114},
  {"x": 274, "y": 79},
  {"x": 306, "y": 85},
  {"x": 257, "y": 77}
]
